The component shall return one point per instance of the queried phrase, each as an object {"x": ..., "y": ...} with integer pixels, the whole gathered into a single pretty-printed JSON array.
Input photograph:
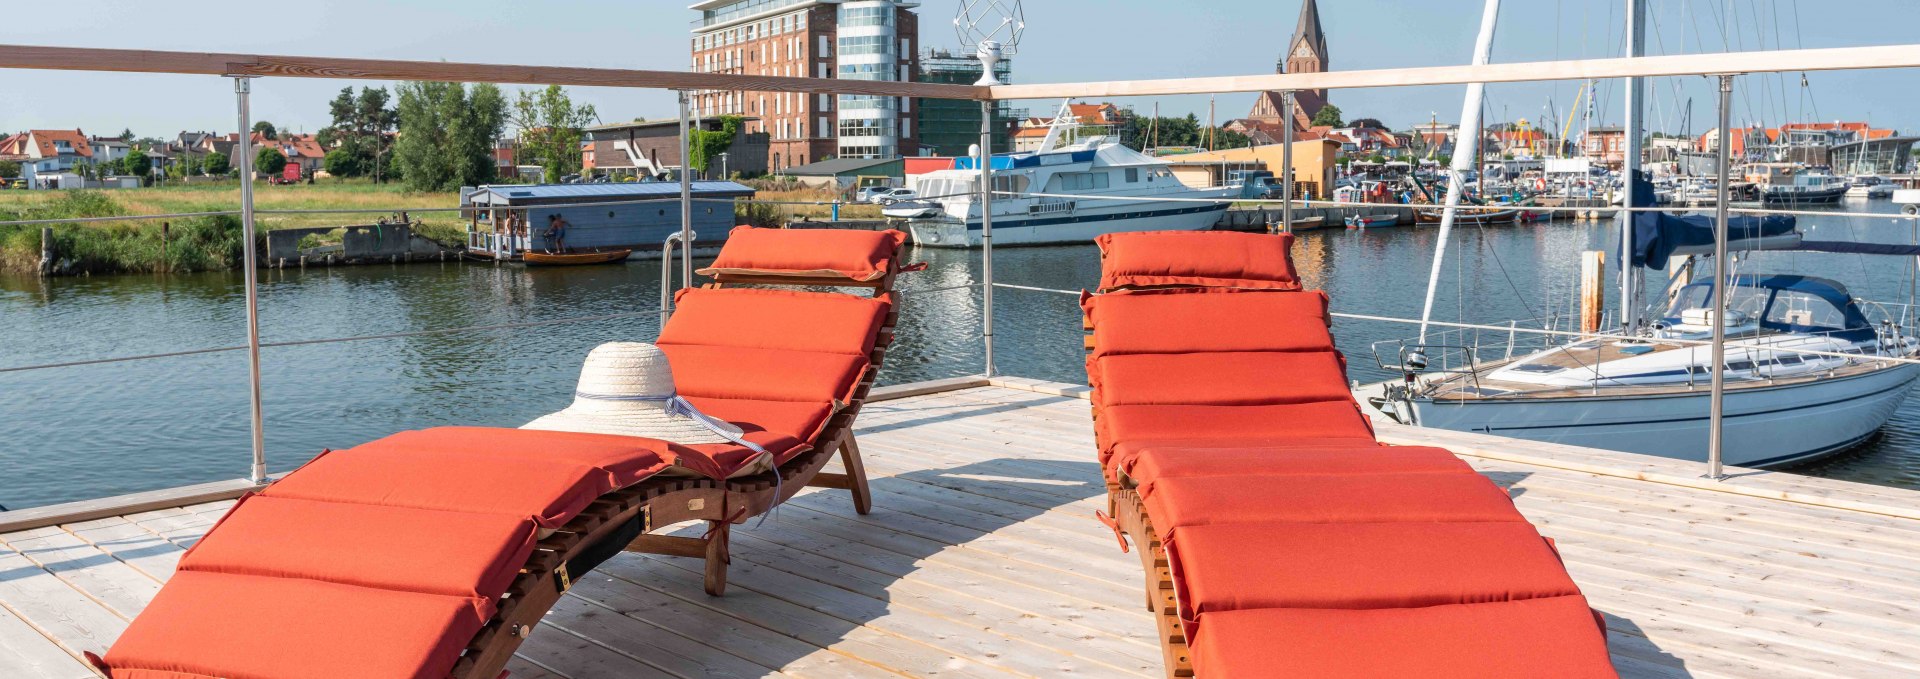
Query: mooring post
[
  {"x": 46, "y": 250},
  {"x": 243, "y": 89}
]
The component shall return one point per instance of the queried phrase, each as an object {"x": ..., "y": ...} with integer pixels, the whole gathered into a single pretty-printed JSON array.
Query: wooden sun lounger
[
  {"x": 1221, "y": 403},
  {"x": 623, "y": 519},
  {"x": 632, "y": 514}
]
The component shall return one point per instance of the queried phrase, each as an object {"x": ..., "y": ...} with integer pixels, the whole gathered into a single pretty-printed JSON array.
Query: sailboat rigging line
[{"x": 1534, "y": 208}]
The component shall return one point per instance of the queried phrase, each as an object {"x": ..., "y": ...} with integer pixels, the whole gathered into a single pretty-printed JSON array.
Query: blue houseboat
[{"x": 504, "y": 222}]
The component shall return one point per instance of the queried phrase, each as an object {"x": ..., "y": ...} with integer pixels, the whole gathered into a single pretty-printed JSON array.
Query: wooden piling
[
  {"x": 1593, "y": 289},
  {"x": 46, "y": 250}
]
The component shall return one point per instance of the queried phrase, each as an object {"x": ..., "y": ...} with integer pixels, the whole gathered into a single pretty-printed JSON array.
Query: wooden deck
[{"x": 982, "y": 559}]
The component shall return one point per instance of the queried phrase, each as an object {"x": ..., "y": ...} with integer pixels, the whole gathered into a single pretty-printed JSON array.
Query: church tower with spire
[{"x": 1306, "y": 53}]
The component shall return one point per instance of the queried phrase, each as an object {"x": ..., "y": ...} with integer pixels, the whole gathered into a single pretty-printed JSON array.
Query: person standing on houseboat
[{"x": 557, "y": 233}]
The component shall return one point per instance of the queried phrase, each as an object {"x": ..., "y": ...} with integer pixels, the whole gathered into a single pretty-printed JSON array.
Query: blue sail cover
[{"x": 1656, "y": 235}]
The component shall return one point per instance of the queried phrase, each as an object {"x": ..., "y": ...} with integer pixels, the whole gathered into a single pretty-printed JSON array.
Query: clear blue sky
[{"x": 1066, "y": 40}]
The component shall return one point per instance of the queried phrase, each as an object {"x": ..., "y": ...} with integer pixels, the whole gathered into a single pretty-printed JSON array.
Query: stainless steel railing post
[
  {"x": 986, "y": 231},
  {"x": 666, "y": 274},
  {"x": 243, "y": 90},
  {"x": 686, "y": 189},
  {"x": 1286, "y": 164},
  {"x": 1716, "y": 409}
]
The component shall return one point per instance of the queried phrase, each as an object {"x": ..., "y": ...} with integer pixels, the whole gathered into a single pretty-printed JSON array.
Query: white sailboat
[
  {"x": 1146, "y": 195},
  {"x": 1806, "y": 370}
]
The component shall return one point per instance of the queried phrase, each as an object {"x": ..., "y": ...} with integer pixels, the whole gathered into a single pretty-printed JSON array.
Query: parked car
[
  {"x": 893, "y": 196},
  {"x": 866, "y": 194}
]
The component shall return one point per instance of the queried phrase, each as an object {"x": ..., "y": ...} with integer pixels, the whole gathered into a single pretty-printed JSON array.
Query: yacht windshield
[{"x": 1784, "y": 304}]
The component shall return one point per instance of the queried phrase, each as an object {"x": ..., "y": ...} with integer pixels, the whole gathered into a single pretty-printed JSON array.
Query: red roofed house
[{"x": 49, "y": 156}]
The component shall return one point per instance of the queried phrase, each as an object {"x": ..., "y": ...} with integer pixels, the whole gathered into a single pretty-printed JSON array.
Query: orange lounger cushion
[
  {"x": 473, "y": 556},
  {"x": 784, "y": 428},
  {"x": 1241, "y": 566},
  {"x": 625, "y": 459},
  {"x": 1179, "y": 503},
  {"x": 764, "y": 374},
  {"x": 775, "y": 319},
  {"x": 1208, "y": 320},
  {"x": 1221, "y": 378},
  {"x": 551, "y": 493},
  {"x": 826, "y": 253},
  {"x": 250, "y": 627},
  {"x": 1221, "y": 259},
  {"x": 1548, "y": 637},
  {"x": 1320, "y": 420},
  {"x": 1145, "y": 462}
]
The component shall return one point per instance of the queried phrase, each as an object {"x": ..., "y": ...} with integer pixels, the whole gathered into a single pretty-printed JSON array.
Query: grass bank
[
  {"x": 213, "y": 243},
  {"x": 193, "y": 243}
]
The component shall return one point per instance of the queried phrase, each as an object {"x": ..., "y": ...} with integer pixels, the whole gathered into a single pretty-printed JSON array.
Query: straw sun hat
[{"x": 626, "y": 388}]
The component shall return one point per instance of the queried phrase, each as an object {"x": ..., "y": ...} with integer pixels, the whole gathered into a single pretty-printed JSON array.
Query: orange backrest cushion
[
  {"x": 1189, "y": 321},
  {"x": 825, "y": 322},
  {"x": 457, "y": 554},
  {"x": 763, "y": 374},
  {"x": 1220, "y": 378},
  {"x": 1218, "y": 259},
  {"x": 813, "y": 253}
]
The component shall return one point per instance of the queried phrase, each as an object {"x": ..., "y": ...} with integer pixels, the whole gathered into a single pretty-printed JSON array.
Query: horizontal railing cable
[
  {"x": 1556, "y": 333},
  {"x": 336, "y": 340}
]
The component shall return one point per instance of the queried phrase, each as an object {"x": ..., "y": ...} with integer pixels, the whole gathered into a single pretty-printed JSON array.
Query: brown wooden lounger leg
[
  {"x": 857, "y": 475},
  {"x": 717, "y": 557}
]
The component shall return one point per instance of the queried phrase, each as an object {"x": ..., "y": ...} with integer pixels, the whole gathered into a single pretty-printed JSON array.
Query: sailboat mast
[
  {"x": 1630, "y": 167},
  {"x": 1469, "y": 129}
]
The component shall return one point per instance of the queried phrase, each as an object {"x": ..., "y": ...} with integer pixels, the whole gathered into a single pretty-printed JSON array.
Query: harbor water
[{"x": 95, "y": 430}]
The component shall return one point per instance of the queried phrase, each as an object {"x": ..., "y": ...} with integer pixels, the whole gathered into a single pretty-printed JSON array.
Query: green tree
[
  {"x": 126, "y": 134},
  {"x": 551, "y": 129},
  {"x": 137, "y": 163},
  {"x": 1329, "y": 116},
  {"x": 446, "y": 134},
  {"x": 266, "y": 130},
  {"x": 269, "y": 161},
  {"x": 9, "y": 168},
  {"x": 362, "y": 126},
  {"x": 342, "y": 162},
  {"x": 216, "y": 164}
]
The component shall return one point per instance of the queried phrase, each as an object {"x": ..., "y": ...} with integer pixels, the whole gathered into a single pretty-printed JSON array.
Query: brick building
[{"x": 856, "y": 39}]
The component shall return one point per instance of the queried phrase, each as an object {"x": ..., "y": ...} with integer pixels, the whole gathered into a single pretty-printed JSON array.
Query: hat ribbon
[{"x": 675, "y": 405}]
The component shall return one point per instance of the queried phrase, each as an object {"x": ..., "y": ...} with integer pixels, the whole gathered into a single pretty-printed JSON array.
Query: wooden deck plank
[
  {"x": 910, "y": 654},
  {"x": 767, "y": 647},
  {"x": 54, "y": 608},
  {"x": 25, "y": 654},
  {"x": 99, "y": 575},
  {"x": 144, "y": 550}
]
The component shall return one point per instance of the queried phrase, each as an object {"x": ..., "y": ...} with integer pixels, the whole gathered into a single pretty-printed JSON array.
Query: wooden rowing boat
[{"x": 574, "y": 258}]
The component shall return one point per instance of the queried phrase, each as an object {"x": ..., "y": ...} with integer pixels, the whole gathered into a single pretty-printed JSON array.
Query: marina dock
[{"x": 982, "y": 558}]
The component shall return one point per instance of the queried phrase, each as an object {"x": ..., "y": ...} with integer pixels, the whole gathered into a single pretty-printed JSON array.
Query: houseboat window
[
  {"x": 1081, "y": 181},
  {"x": 1133, "y": 175}
]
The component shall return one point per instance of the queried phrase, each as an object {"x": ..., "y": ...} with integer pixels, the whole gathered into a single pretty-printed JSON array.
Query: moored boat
[
  {"x": 1373, "y": 221},
  {"x": 574, "y": 258}
]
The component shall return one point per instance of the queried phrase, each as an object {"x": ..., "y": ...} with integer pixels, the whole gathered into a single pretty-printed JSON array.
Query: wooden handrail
[
  {"x": 202, "y": 63},
  {"x": 153, "y": 61},
  {"x": 1888, "y": 56}
]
